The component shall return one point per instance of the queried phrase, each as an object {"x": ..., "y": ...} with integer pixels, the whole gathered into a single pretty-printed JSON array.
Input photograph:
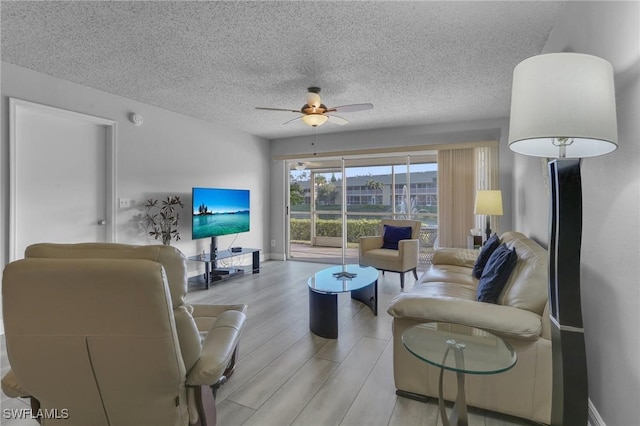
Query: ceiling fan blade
[
  {"x": 337, "y": 120},
  {"x": 293, "y": 119},
  {"x": 278, "y": 109},
  {"x": 351, "y": 108}
]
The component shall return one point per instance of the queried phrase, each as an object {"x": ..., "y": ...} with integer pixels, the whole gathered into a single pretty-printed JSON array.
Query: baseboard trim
[
  {"x": 410, "y": 395},
  {"x": 277, "y": 256},
  {"x": 593, "y": 417}
]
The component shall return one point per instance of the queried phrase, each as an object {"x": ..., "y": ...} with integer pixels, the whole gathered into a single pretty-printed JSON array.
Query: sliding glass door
[
  {"x": 315, "y": 219},
  {"x": 403, "y": 188},
  {"x": 326, "y": 212},
  {"x": 363, "y": 191},
  {"x": 299, "y": 209},
  {"x": 369, "y": 191}
]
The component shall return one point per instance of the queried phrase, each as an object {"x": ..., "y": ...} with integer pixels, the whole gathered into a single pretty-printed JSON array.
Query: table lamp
[
  {"x": 489, "y": 203},
  {"x": 563, "y": 108}
]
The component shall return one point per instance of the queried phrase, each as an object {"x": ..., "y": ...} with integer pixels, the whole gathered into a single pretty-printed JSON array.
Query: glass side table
[{"x": 462, "y": 349}]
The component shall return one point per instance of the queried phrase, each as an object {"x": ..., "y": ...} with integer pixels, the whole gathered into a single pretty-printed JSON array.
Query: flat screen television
[{"x": 219, "y": 211}]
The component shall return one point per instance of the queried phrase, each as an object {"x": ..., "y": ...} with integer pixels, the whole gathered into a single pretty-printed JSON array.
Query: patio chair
[{"x": 395, "y": 249}]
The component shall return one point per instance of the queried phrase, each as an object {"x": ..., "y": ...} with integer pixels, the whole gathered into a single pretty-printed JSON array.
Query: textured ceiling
[{"x": 417, "y": 62}]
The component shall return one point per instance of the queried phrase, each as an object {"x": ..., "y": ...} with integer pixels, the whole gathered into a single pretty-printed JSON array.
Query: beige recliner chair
[
  {"x": 373, "y": 250},
  {"x": 100, "y": 334}
]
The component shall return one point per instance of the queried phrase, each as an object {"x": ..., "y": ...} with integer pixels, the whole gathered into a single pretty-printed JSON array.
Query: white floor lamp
[{"x": 563, "y": 107}]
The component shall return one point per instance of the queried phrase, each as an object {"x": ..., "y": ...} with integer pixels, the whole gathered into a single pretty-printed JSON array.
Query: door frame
[{"x": 110, "y": 167}]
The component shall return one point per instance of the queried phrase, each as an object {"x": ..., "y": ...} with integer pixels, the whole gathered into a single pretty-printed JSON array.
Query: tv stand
[{"x": 211, "y": 271}]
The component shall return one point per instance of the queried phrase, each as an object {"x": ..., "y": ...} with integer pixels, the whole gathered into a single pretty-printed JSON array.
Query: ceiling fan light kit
[
  {"x": 315, "y": 113},
  {"x": 316, "y": 119}
]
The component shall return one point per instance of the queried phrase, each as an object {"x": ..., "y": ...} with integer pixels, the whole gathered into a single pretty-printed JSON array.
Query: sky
[{"x": 221, "y": 200}]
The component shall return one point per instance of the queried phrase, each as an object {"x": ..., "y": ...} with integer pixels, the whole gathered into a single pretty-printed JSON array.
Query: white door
[{"x": 61, "y": 188}]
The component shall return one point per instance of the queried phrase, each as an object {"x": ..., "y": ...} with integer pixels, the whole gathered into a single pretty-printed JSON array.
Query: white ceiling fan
[
  {"x": 315, "y": 113},
  {"x": 302, "y": 165}
]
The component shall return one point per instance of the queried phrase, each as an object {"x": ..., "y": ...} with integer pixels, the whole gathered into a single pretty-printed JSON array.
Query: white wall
[
  {"x": 610, "y": 270},
  {"x": 168, "y": 155},
  {"x": 531, "y": 197},
  {"x": 416, "y": 136}
]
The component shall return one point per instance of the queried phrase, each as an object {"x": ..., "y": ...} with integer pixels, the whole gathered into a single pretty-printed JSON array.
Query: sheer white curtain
[
  {"x": 456, "y": 196},
  {"x": 486, "y": 158}
]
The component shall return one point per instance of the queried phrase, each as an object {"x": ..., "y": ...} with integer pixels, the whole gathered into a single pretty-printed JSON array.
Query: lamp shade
[
  {"x": 563, "y": 105},
  {"x": 314, "y": 120},
  {"x": 488, "y": 202}
]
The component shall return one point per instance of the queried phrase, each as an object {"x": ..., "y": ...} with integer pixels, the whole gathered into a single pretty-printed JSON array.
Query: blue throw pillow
[
  {"x": 489, "y": 246},
  {"x": 496, "y": 273},
  {"x": 392, "y": 234}
]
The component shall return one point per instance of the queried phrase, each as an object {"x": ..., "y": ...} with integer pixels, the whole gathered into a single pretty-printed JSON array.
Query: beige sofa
[{"x": 447, "y": 293}]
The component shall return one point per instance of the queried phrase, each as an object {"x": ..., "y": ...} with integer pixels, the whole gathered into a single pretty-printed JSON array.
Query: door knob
[{"x": 102, "y": 222}]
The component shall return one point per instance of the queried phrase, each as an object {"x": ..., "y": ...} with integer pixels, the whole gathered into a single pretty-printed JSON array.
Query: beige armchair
[
  {"x": 374, "y": 251},
  {"x": 101, "y": 334}
]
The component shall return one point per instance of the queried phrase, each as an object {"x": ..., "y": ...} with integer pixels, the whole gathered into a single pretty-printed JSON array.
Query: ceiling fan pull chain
[{"x": 313, "y": 142}]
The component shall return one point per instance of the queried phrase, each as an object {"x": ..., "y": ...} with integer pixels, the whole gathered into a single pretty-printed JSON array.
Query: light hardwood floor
[{"x": 287, "y": 376}]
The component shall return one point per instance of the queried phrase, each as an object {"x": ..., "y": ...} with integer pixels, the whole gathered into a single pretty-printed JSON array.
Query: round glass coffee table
[
  {"x": 462, "y": 349},
  {"x": 324, "y": 286}
]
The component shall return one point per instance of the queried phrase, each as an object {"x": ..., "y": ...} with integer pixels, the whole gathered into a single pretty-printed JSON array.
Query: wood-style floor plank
[
  {"x": 287, "y": 403},
  {"x": 332, "y": 401},
  {"x": 230, "y": 413},
  {"x": 408, "y": 412},
  {"x": 257, "y": 360},
  {"x": 264, "y": 384},
  {"x": 375, "y": 401}
]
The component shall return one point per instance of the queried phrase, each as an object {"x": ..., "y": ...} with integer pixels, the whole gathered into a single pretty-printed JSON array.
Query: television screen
[{"x": 218, "y": 211}]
